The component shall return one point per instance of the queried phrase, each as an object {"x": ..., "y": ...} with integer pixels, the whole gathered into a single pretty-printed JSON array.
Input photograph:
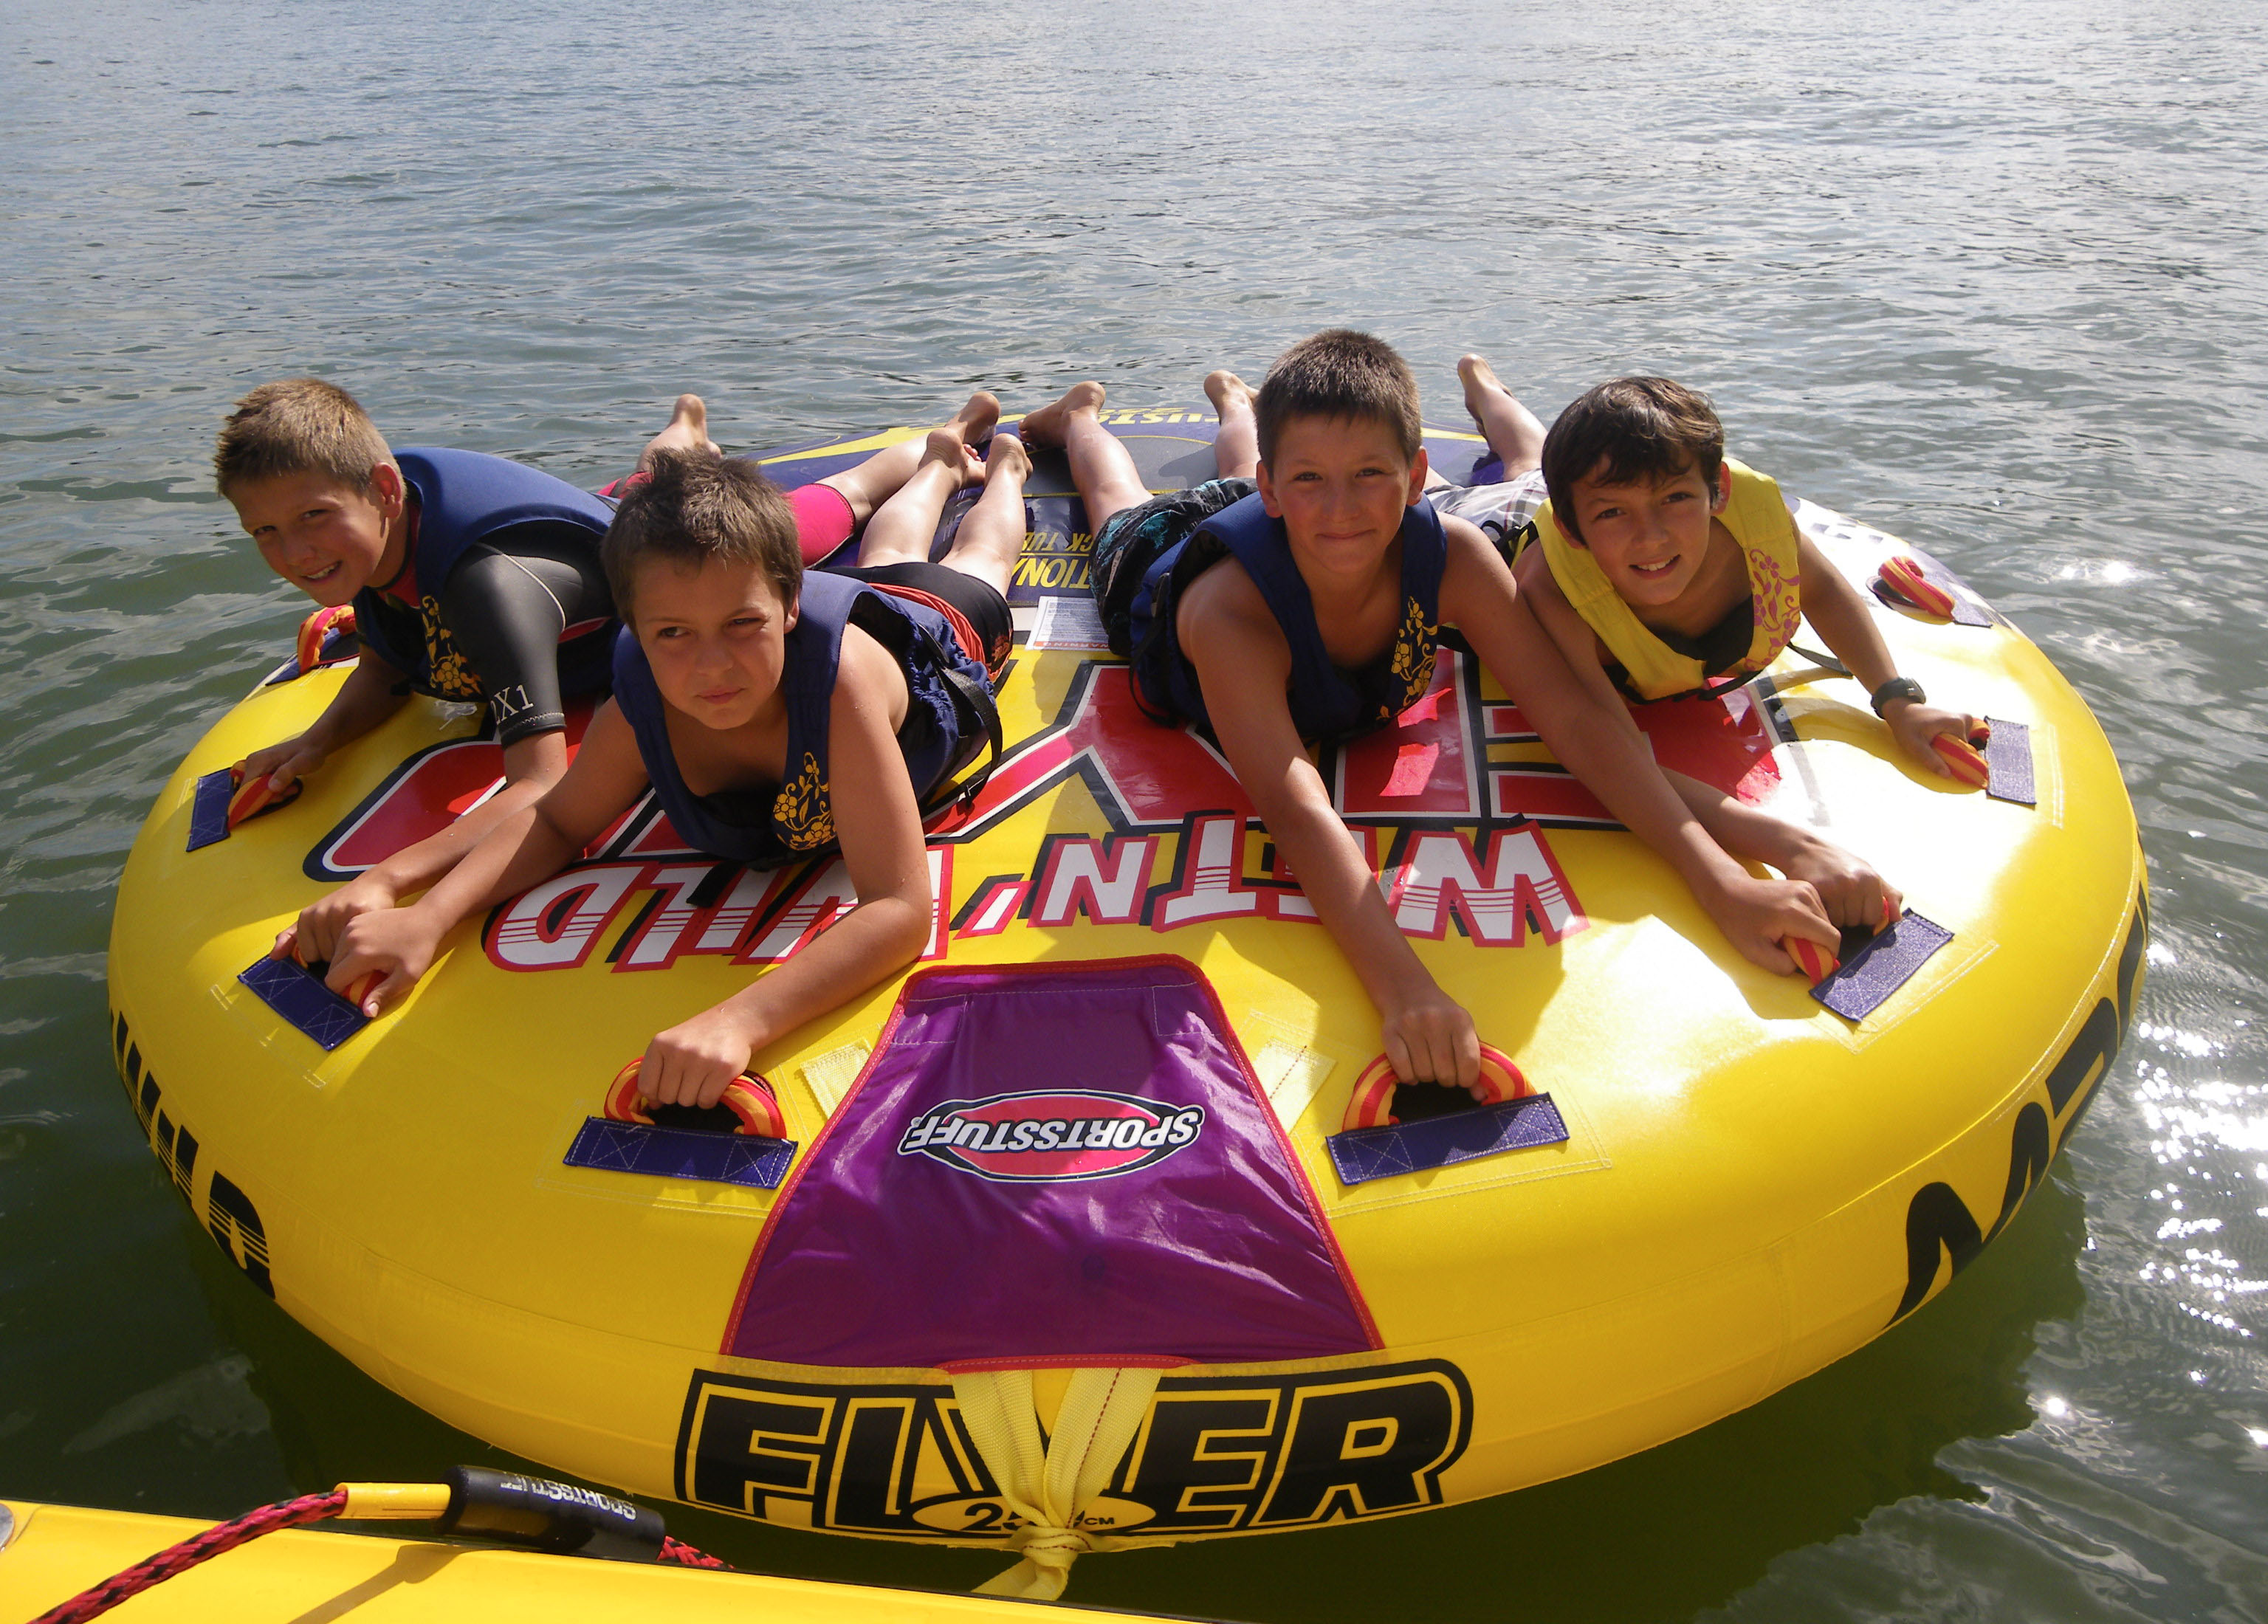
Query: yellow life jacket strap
[
  {"x": 1047, "y": 1485},
  {"x": 1757, "y": 517}
]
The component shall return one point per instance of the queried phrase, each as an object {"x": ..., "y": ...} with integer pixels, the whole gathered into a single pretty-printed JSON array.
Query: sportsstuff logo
[{"x": 1052, "y": 1135}]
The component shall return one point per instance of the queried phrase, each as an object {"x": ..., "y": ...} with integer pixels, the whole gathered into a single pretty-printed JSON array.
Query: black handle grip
[{"x": 557, "y": 1518}]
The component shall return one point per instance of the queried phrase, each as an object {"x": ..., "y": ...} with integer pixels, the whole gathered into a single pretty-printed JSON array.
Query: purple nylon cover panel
[{"x": 1050, "y": 1164}]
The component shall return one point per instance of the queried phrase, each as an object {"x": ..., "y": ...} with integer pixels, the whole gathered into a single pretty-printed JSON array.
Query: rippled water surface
[{"x": 1991, "y": 277}]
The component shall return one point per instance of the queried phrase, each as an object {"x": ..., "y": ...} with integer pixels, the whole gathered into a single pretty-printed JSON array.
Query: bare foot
[
  {"x": 973, "y": 422},
  {"x": 1236, "y": 447},
  {"x": 944, "y": 446},
  {"x": 1006, "y": 459},
  {"x": 1512, "y": 430},
  {"x": 687, "y": 430},
  {"x": 1227, "y": 391},
  {"x": 1480, "y": 387},
  {"x": 1048, "y": 425}
]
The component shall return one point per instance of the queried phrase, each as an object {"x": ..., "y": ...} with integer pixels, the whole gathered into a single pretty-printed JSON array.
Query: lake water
[{"x": 1991, "y": 277}]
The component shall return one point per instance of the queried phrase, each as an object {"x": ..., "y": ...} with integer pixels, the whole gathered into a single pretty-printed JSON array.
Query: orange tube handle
[
  {"x": 1816, "y": 962},
  {"x": 1372, "y": 1103},
  {"x": 747, "y": 1096},
  {"x": 252, "y": 798},
  {"x": 1966, "y": 761},
  {"x": 1903, "y": 575},
  {"x": 316, "y": 630}
]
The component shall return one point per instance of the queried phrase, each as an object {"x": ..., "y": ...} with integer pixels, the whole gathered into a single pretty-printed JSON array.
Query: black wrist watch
[{"x": 1898, "y": 688}]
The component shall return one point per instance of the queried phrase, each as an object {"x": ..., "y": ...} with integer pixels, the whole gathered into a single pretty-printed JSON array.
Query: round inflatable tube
[{"x": 1097, "y": 1228}]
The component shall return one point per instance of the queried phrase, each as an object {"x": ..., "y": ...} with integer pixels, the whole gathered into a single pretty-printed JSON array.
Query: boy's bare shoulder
[
  {"x": 1223, "y": 611},
  {"x": 1475, "y": 580},
  {"x": 864, "y": 665}
]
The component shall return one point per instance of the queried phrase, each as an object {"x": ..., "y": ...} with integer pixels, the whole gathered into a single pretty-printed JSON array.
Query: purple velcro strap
[
  {"x": 298, "y": 994},
  {"x": 1362, "y": 1154},
  {"x": 209, "y": 809},
  {"x": 2008, "y": 762},
  {"x": 1059, "y": 1164},
  {"x": 1885, "y": 964},
  {"x": 748, "y": 1159}
]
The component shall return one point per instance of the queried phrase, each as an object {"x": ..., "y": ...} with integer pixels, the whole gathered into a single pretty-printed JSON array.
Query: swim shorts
[
  {"x": 1502, "y": 511},
  {"x": 979, "y": 615},
  {"x": 1133, "y": 539},
  {"x": 823, "y": 520}
]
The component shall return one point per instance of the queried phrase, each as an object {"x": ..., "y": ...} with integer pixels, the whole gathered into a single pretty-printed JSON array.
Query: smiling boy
[
  {"x": 1310, "y": 609},
  {"x": 473, "y": 578},
  {"x": 1661, "y": 567}
]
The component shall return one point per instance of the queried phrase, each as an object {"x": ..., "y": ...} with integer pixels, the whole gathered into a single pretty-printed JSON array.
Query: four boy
[{"x": 1298, "y": 598}]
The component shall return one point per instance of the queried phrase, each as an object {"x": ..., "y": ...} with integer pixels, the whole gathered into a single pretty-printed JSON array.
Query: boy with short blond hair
[
  {"x": 1310, "y": 609},
  {"x": 473, "y": 578}
]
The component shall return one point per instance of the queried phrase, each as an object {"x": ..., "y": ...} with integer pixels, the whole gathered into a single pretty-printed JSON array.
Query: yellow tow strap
[{"x": 1049, "y": 1484}]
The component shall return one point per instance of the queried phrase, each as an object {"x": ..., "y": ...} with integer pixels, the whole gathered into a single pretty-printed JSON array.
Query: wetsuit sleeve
[{"x": 506, "y": 604}]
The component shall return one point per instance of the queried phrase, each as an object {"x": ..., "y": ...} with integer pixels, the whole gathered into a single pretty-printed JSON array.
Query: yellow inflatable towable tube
[{"x": 1093, "y": 1230}]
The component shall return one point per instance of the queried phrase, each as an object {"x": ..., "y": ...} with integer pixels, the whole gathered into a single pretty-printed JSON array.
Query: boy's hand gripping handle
[
  {"x": 747, "y": 1096},
  {"x": 1372, "y": 1103},
  {"x": 1966, "y": 761}
]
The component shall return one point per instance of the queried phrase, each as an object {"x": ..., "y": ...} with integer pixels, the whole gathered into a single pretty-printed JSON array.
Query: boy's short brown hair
[
  {"x": 1640, "y": 428},
  {"x": 298, "y": 425},
  {"x": 697, "y": 508},
  {"x": 1340, "y": 373}
]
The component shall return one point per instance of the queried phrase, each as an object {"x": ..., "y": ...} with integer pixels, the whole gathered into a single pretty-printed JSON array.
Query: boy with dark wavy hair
[{"x": 1660, "y": 565}]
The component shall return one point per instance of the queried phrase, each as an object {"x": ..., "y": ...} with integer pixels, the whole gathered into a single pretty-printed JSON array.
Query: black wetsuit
[{"x": 503, "y": 601}]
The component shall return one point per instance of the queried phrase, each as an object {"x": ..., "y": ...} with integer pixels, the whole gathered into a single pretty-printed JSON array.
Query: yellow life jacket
[{"x": 1758, "y": 519}]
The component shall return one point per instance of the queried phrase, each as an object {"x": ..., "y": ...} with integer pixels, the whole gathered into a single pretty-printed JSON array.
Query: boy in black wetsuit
[
  {"x": 777, "y": 714},
  {"x": 473, "y": 578}
]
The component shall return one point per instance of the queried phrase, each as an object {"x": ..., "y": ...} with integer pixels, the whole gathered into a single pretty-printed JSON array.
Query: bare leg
[
  {"x": 1100, "y": 466},
  {"x": 687, "y": 430},
  {"x": 991, "y": 534},
  {"x": 1512, "y": 430},
  {"x": 875, "y": 481},
  {"x": 1236, "y": 448},
  {"x": 904, "y": 526}
]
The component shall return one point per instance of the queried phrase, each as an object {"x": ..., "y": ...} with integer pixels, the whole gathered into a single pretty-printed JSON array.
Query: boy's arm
[
  {"x": 1569, "y": 633},
  {"x": 878, "y": 823},
  {"x": 1612, "y": 760},
  {"x": 505, "y": 613},
  {"x": 531, "y": 845},
  {"x": 1851, "y": 893},
  {"x": 532, "y": 767},
  {"x": 1242, "y": 662},
  {"x": 1850, "y": 890},
  {"x": 1843, "y": 620},
  {"x": 366, "y": 699}
]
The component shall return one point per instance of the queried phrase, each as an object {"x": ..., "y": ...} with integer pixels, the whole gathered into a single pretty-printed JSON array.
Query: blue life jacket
[
  {"x": 949, "y": 717},
  {"x": 464, "y": 498},
  {"x": 1326, "y": 701}
]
